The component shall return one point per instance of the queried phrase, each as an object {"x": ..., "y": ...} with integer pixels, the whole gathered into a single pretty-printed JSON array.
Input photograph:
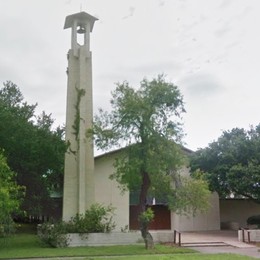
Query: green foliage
[
  {"x": 7, "y": 226},
  {"x": 147, "y": 123},
  {"x": 147, "y": 216},
  {"x": 149, "y": 118},
  {"x": 191, "y": 196},
  {"x": 97, "y": 219},
  {"x": 151, "y": 111},
  {"x": 232, "y": 163},
  {"x": 33, "y": 150},
  {"x": 80, "y": 94},
  {"x": 53, "y": 235},
  {"x": 254, "y": 220},
  {"x": 10, "y": 198}
]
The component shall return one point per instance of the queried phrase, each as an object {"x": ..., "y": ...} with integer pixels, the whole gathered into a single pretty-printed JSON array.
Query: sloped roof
[
  {"x": 185, "y": 149},
  {"x": 81, "y": 18}
]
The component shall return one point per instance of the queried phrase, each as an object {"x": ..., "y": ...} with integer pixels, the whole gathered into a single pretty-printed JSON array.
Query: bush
[
  {"x": 54, "y": 235},
  {"x": 7, "y": 226},
  {"x": 254, "y": 220},
  {"x": 97, "y": 219},
  {"x": 10, "y": 197}
]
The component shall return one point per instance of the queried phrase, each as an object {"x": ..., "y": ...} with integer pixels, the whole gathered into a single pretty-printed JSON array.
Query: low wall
[
  {"x": 250, "y": 235},
  {"x": 162, "y": 236},
  {"x": 116, "y": 238}
]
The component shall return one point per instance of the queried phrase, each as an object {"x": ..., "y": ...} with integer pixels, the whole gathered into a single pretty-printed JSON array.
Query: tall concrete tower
[{"x": 79, "y": 186}]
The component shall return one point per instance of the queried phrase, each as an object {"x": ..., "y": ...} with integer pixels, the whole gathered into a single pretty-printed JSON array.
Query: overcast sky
[{"x": 208, "y": 48}]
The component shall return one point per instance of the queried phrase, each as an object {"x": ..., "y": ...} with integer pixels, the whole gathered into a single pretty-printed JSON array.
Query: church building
[{"x": 86, "y": 179}]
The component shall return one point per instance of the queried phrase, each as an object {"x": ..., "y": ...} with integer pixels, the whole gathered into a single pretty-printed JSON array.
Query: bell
[{"x": 81, "y": 30}]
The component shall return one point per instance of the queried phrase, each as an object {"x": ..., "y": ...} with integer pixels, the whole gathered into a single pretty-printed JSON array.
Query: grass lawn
[
  {"x": 180, "y": 257},
  {"x": 26, "y": 244}
]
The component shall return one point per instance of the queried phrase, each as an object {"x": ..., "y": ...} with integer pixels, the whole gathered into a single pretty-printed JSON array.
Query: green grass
[
  {"x": 25, "y": 244},
  {"x": 28, "y": 245},
  {"x": 180, "y": 257}
]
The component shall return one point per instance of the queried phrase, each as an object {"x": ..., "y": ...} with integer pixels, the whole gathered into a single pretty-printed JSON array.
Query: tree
[
  {"x": 33, "y": 150},
  {"x": 147, "y": 121},
  {"x": 232, "y": 163},
  {"x": 10, "y": 197}
]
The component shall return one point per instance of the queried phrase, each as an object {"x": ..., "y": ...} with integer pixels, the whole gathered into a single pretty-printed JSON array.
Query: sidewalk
[
  {"x": 252, "y": 251},
  {"x": 228, "y": 237}
]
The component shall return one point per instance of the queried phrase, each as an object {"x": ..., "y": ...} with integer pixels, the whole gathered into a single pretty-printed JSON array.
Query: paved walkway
[
  {"x": 253, "y": 252},
  {"x": 228, "y": 238}
]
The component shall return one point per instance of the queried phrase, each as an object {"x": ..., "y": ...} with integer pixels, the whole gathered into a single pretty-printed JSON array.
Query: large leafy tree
[
  {"x": 10, "y": 197},
  {"x": 232, "y": 163},
  {"x": 33, "y": 150},
  {"x": 147, "y": 122}
]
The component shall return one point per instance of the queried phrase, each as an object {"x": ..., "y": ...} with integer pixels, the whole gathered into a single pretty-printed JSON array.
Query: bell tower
[{"x": 79, "y": 186}]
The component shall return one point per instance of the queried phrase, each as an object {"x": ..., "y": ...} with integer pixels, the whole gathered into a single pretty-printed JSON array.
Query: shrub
[
  {"x": 97, "y": 219},
  {"x": 254, "y": 220},
  {"x": 10, "y": 197},
  {"x": 53, "y": 234},
  {"x": 7, "y": 226}
]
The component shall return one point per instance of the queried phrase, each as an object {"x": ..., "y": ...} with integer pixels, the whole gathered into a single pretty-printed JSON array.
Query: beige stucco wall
[
  {"x": 233, "y": 210},
  {"x": 107, "y": 191},
  {"x": 207, "y": 221}
]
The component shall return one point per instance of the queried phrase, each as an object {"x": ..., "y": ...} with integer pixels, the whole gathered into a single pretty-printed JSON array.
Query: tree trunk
[{"x": 148, "y": 239}]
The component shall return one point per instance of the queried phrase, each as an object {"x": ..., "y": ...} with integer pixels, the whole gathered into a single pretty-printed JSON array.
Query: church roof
[{"x": 184, "y": 149}]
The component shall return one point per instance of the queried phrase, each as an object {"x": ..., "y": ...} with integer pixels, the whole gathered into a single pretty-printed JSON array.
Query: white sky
[{"x": 208, "y": 48}]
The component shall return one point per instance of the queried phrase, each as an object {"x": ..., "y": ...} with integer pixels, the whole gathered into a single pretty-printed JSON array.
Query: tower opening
[{"x": 81, "y": 35}]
